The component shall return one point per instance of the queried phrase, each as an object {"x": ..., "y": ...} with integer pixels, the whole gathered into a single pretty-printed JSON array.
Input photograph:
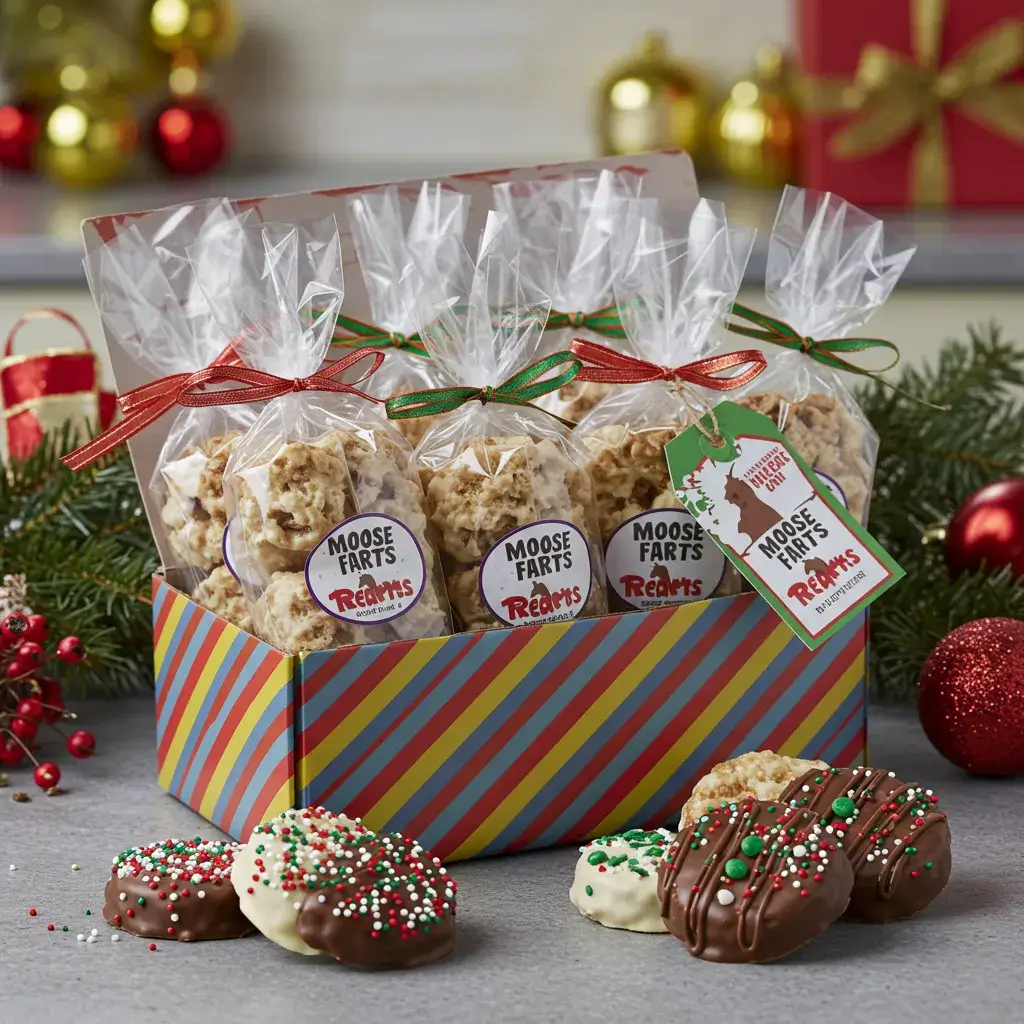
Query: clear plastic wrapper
[
  {"x": 568, "y": 230},
  {"x": 827, "y": 273},
  {"x": 506, "y": 487},
  {"x": 148, "y": 296},
  {"x": 385, "y": 231},
  {"x": 328, "y": 504},
  {"x": 677, "y": 280}
]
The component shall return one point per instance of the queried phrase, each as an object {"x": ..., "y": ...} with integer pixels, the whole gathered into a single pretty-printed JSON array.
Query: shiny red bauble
[
  {"x": 71, "y": 650},
  {"x": 81, "y": 743},
  {"x": 970, "y": 696},
  {"x": 988, "y": 530},
  {"x": 30, "y": 653},
  {"x": 11, "y": 752},
  {"x": 46, "y": 775},
  {"x": 19, "y": 131},
  {"x": 38, "y": 629},
  {"x": 24, "y": 728},
  {"x": 14, "y": 627},
  {"x": 30, "y": 708},
  {"x": 190, "y": 135}
]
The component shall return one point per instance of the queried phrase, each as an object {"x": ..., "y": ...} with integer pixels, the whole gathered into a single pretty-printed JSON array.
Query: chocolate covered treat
[
  {"x": 178, "y": 889},
  {"x": 391, "y": 904},
  {"x": 891, "y": 831},
  {"x": 752, "y": 882}
]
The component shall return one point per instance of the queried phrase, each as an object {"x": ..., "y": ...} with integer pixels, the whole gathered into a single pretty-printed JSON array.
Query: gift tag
[{"x": 778, "y": 522}]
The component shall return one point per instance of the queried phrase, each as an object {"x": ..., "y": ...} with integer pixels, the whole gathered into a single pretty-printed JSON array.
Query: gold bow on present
[{"x": 893, "y": 94}]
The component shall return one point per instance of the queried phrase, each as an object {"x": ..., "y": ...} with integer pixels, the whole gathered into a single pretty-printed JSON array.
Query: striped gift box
[{"x": 498, "y": 741}]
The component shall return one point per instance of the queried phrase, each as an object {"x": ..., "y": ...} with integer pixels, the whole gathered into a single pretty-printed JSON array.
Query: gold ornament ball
[
  {"x": 755, "y": 135},
  {"x": 209, "y": 28},
  {"x": 88, "y": 141},
  {"x": 651, "y": 101}
]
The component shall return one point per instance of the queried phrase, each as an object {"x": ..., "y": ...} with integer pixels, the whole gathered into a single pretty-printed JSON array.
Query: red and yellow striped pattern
[
  {"x": 514, "y": 739},
  {"x": 224, "y": 714}
]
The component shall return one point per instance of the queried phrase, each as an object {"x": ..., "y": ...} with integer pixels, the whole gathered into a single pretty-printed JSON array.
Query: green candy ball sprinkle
[
  {"x": 736, "y": 869},
  {"x": 752, "y": 845},
  {"x": 844, "y": 807}
]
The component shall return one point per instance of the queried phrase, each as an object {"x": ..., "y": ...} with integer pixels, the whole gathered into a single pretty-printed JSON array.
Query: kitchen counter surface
[
  {"x": 524, "y": 953},
  {"x": 40, "y": 242}
]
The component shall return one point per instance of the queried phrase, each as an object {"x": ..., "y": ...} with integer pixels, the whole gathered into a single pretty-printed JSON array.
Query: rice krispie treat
[
  {"x": 287, "y": 617},
  {"x": 222, "y": 594},
  {"x": 577, "y": 398},
  {"x": 194, "y": 510},
  {"x": 762, "y": 774},
  {"x": 826, "y": 435}
]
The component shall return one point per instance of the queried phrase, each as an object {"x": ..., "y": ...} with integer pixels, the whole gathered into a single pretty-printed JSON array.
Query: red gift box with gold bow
[
  {"x": 40, "y": 391},
  {"x": 913, "y": 102}
]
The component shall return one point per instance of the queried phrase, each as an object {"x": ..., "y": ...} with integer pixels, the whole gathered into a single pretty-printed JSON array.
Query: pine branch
[{"x": 929, "y": 461}]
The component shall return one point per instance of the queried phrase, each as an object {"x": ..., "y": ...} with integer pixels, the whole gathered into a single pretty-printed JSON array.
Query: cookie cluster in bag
[
  {"x": 506, "y": 486},
  {"x": 329, "y": 509},
  {"x": 149, "y": 298}
]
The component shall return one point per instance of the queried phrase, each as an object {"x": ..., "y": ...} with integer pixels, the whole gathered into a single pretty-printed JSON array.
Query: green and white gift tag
[{"x": 782, "y": 526}]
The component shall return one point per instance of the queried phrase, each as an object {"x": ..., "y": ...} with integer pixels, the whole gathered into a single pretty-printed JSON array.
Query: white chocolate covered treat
[
  {"x": 616, "y": 880},
  {"x": 222, "y": 594},
  {"x": 292, "y": 854},
  {"x": 286, "y": 616},
  {"x": 761, "y": 773}
]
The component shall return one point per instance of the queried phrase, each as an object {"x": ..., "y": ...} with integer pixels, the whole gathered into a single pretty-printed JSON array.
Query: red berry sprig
[{"x": 29, "y": 700}]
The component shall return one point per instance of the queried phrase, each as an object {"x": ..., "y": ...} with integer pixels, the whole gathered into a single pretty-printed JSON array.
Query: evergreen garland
[
  {"x": 930, "y": 460},
  {"x": 84, "y": 544}
]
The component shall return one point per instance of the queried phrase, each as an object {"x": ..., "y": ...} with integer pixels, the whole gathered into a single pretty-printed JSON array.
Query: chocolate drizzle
[
  {"x": 792, "y": 886},
  {"x": 896, "y": 840}
]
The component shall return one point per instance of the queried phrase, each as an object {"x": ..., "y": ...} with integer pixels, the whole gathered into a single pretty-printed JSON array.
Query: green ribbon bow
[
  {"x": 520, "y": 389},
  {"x": 605, "y": 321},
  {"x": 828, "y": 351},
  {"x": 353, "y": 333}
]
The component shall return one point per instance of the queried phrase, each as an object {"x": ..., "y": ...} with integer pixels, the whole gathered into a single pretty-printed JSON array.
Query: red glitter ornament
[
  {"x": 19, "y": 131},
  {"x": 970, "y": 697},
  {"x": 988, "y": 530},
  {"x": 190, "y": 135},
  {"x": 46, "y": 775}
]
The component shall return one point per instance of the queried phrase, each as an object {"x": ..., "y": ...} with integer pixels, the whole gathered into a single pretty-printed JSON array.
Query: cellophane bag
[
  {"x": 385, "y": 231},
  {"x": 568, "y": 229},
  {"x": 506, "y": 487},
  {"x": 827, "y": 273},
  {"x": 149, "y": 299},
  {"x": 677, "y": 280},
  {"x": 328, "y": 503}
]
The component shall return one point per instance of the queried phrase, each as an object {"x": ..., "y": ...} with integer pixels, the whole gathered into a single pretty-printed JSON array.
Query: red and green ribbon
[
  {"x": 353, "y": 333},
  {"x": 605, "y": 321},
  {"x": 520, "y": 389},
  {"x": 830, "y": 352}
]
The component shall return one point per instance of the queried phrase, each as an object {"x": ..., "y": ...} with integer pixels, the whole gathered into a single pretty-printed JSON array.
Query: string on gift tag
[
  {"x": 520, "y": 389},
  {"x": 143, "y": 405}
]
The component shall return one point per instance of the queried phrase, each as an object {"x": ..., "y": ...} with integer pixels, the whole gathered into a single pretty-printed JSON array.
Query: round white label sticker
[
  {"x": 369, "y": 569},
  {"x": 235, "y": 556},
  {"x": 663, "y": 557},
  {"x": 834, "y": 487},
  {"x": 538, "y": 573}
]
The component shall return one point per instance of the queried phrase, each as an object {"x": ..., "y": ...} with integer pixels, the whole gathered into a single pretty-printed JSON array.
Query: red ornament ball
[
  {"x": 190, "y": 135},
  {"x": 970, "y": 697},
  {"x": 46, "y": 775},
  {"x": 71, "y": 650},
  {"x": 11, "y": 752},
  {"x": 19, "y": 131},
  {"x": 81, "y": 743},
  {"x": 38, "y": 629},
  {"x": 988, "y": 530},
  {"x": 24, "y": 728},
  {"x": 30, "y": 708},
  {"x": 14, "y": 627}
]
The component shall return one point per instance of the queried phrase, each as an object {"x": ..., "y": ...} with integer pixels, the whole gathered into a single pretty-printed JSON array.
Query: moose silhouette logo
[
  {"x": 659, "y": 572},
  {"x": 756, "y": 517},
  {"x": 366, "y": 580},
  {"x": 539, "y": 590},
  {"x": 815, "y": 565}
]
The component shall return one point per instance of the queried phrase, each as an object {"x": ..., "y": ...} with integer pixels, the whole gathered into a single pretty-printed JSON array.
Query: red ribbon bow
[
  {"x": 606, "y": 366},
  {"x": 148, "y": 403}
]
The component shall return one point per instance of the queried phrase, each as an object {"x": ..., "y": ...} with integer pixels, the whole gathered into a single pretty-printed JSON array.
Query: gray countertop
[
  {"x": 40, "y": 242},
  {"x": 524, "y": 953}
]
